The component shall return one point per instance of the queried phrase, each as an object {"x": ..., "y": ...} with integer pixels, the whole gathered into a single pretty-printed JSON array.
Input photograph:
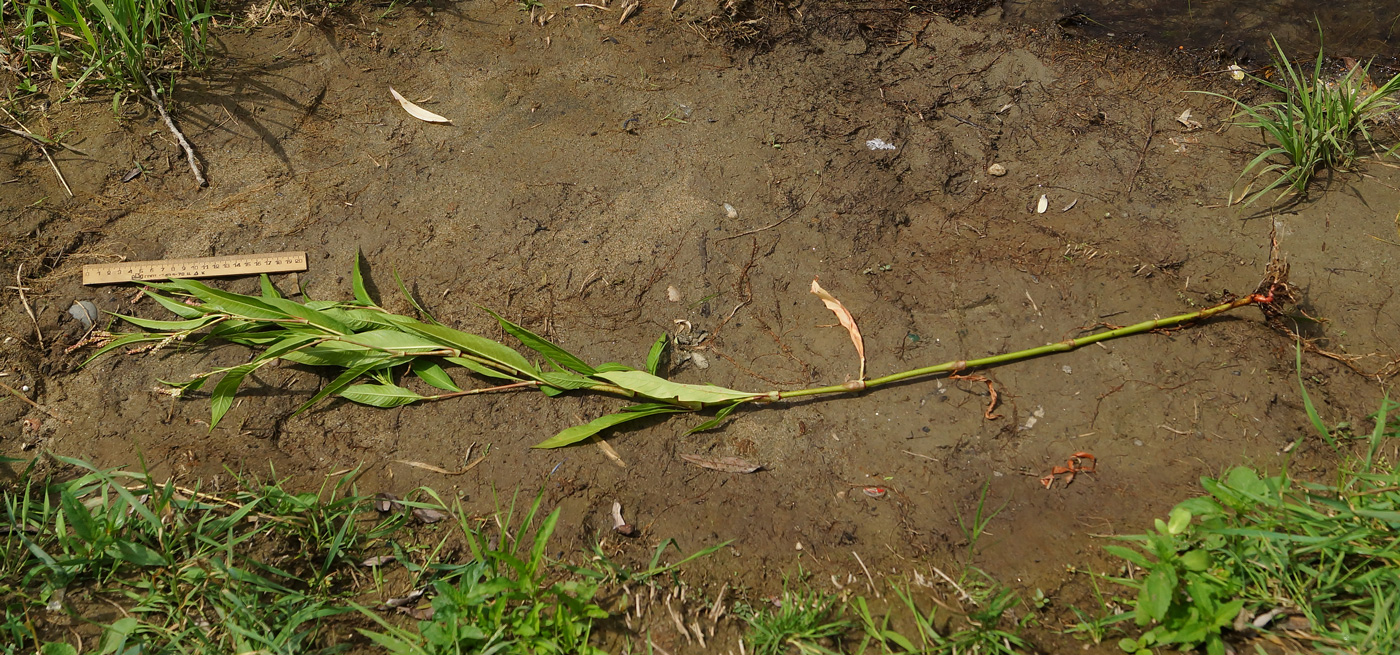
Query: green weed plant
[{"x": 1321, "y": 553}]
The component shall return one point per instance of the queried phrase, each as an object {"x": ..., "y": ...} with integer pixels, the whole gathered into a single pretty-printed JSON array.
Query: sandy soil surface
[{"x": 587, "y": 172}]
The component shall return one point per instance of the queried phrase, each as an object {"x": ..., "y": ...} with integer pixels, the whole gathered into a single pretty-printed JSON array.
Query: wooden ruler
[{"x": 164, "y": 269}]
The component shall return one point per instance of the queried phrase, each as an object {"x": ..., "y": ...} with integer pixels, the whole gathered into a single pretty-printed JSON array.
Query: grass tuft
[
  {"x": 103, "y": 43},
  {"x": 1319, "y": 124}
]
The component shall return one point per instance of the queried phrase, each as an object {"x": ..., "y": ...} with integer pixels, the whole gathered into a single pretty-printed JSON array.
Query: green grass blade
[
  {"x": 1307, "y": 401},
  {"x": 658, "y": 352}
]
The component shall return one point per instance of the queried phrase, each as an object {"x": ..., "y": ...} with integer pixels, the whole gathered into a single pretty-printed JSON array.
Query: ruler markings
[{"x": 278, "y": 262}]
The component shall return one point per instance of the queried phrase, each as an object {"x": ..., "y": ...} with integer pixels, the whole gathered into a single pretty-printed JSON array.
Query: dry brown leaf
[
  {"x": 847, "y": 321},
  {"x": 726, "y": 464},
  {"x": 421, "y": 465},
  {"x": 418, "y": 112}
]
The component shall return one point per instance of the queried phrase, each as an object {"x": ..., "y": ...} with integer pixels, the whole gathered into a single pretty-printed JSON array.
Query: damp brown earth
[{"x": 584, "y": 190}]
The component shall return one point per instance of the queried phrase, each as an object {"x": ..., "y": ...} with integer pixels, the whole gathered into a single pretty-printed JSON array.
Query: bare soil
[{"x": 586, "y": 172}]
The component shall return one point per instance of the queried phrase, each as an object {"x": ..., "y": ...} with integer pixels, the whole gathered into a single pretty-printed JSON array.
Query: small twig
[
  {"x": 962, "y": 593},
  {"x": 41, "y": 141},
  {"x": 868, "y": 577},
  {"x": 780, "y": 221},
  {"x": 179, "y": 136},
  {"x": 33, "y": 404},
  {"x": 1151, "y": 131},
  {"x": 19, "y": 287},
  {"x": 42, "y": 148}
]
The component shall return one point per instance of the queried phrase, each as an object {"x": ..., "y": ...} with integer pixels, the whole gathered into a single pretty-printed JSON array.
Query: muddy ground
[{"x": 586, "y": 173}]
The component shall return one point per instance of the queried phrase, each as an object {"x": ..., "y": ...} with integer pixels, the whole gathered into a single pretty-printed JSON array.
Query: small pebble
[
  {"x": 997, "y": 170},
  {"x": 1137, "y": 442}
]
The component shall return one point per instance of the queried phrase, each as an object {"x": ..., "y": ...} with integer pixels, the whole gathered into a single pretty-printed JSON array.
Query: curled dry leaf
[
  {"x": 418, "y": 112},
  {"x": 619, "y": 524},
  {"x": 725, "y": 464},
  {"x": 1189, "y": 123},
  {"x": 847, "y": 321},
  {"x": 378, "y": 560},
  {"x": 403, "y": 601}
]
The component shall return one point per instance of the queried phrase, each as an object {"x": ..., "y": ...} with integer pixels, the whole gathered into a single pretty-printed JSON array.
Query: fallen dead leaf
[
  {"x": 378, "y": 560},
  {"x": 418, "y": 112},
  {"x": 725, "y": 464},
  {"x": 847, "y": 321},
  {"x": 428, "y": 515}
]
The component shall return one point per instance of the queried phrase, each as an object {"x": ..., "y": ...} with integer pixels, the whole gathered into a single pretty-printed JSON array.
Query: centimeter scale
[{"x": 277, "y": 262}]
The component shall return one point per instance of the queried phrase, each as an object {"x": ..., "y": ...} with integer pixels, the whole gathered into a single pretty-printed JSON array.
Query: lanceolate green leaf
[
  {"x": 268, "y": 291},
  {"x": 578, "y": 433},
  {"x": 125, "y": 339},
  {"x": 651, "y": 386},
  {"x": 168, "y": 326},
  {"x": 221, "y": 399},
  {"x": 176, "y": 307},
  {"x": 335, "y": 353},
  {"x": 658, "y": 351},
  {"x": 470, "y": 343},
  {"x": 344, "y": 379},
  {"x": 379, "y": 395},
  {"x": 311, "y": 316},
  {"x": 432, "y": 372},
  {"x": 566, "y": 380},
  {"x": 715, "y": 422},
  {"x": 556, "y": 355},
  {"x": 395, "y": 341},
  {"x": 482, "y": 369},
  {"x": 232, "y": 303},
  {"x": 357, "y": 283}
]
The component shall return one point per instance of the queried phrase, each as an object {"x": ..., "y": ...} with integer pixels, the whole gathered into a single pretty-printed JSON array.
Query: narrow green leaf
[
  {"x": 566, "y": 380},
  {"x": 343, "y": 380},
  {"x": 432, "y": 373},
  {"x": 232, "y": 303},
  {"x": 580, "y": 432},
  {"x": 412, "y": 301},
  {"x": 168, "y": 326},
  {"x": 126, "y": 339},
  {"x": 286, "y": 345},
  {"x": 357, "y": 283},
  {"x": 311, "y": 316},
  {"x": 718, "y": 419},
  {"x": 541, "y": 540},
  {"x": 1129, "y": 554},
  {"x": 221, "y": 399},
  {"x": 379, "y": 395},
  {"x": 482, "y": 369},
  {"x": 560, "y": 358},
  {"x": 649, "y": 385},
  {"x": 608, "y": 367},
  {"x": 336, "y": 353},
  {"x": 394, "y": 340},
  {"x": 268, "y": 291},
  {"x": 1307, "y": 401},
  {"x": 176, "y": 307},
  {"x": 470, "y": 343},
  {"x": 658, "y": 351}
]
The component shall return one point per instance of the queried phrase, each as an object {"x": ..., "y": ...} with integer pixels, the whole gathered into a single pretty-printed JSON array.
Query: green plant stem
[{"x": 1062, "y": 346}]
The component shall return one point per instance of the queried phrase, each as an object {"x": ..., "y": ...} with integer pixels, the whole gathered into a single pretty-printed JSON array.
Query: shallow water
[{"x": 1235, "y": 30}]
